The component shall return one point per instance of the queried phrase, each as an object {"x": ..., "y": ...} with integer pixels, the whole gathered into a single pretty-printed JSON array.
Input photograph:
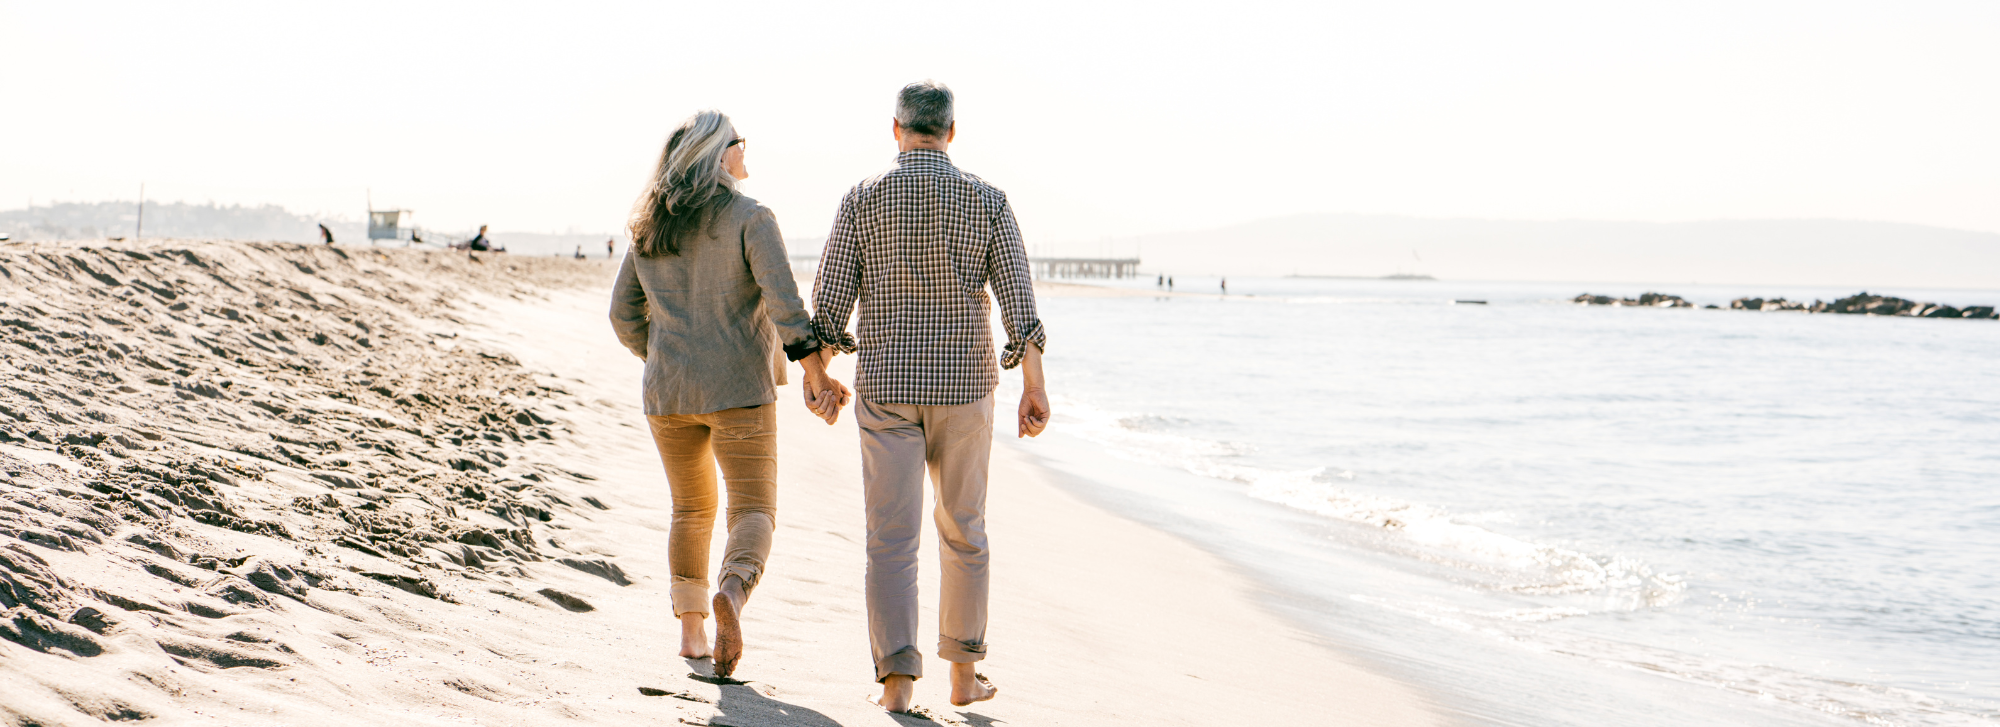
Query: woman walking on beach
[{"x": 706, "y": 297}]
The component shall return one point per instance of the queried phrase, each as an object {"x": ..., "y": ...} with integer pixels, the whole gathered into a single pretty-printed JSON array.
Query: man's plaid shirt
[{"x": 917, "y": 246}]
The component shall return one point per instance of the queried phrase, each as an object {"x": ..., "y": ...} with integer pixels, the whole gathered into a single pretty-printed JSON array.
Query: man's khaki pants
[
  {"x": 745, "y": 443},
  {"x": 898, "y": 442}
]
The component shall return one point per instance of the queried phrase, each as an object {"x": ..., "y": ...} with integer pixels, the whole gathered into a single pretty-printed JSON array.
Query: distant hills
[
  {"x": 1778, "y": 252},
  {"x": 95, "y": 220},
  {"x": 90, "y": 220}
]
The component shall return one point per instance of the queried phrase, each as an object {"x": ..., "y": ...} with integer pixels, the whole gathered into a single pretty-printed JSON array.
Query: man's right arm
[{"x": 838, "y": 283}]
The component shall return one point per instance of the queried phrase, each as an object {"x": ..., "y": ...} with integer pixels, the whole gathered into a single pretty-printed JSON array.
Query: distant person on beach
[
  {"x": 916, "y": 247},
  {"x": 1225, "y": 286},
  {"x": 706, "y": 297},
  {"x": 579, "y": 252},
  {"x": 1170, "y": 283},
  {"x": 325, "y": 235},
  {"x": 610, "y": 248},
  {"x": 479, "y": 241}
]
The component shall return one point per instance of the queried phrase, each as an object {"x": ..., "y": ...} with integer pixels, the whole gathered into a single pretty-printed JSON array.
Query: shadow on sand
[
  {"x": 979, "y": 720},
  {"x": 748, "y": 704}
]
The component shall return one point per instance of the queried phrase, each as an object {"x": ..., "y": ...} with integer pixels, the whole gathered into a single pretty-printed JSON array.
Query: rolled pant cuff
[
  {"x": 907, "y": 661},
  {"x": 747, "y": 574},
  {"x": 960, "y": 652},
  {"x": 689, "y": 596}
]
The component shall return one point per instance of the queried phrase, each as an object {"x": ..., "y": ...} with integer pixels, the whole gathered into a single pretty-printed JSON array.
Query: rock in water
[{"x": 1646, "y": 300}]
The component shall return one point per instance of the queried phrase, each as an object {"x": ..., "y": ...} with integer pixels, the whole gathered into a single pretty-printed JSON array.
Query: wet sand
[{"x": 279, "y": 484}]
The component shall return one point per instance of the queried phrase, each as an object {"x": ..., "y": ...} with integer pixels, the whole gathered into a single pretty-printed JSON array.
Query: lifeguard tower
[{"x": 388, "y": 225}]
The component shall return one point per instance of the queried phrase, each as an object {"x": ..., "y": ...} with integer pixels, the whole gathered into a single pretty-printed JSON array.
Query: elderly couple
[{"x": 706, "y": 298}]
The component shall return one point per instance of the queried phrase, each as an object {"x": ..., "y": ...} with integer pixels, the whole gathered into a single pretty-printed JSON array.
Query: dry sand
[{"x": 276, "y": 484}]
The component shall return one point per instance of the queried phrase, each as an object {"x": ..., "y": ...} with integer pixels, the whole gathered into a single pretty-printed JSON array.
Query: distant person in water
[
  {"x": 325, "y": 235},
  {"x": 706, "y": 297},
  {"x": 1170, "y": 283},
  {"x": 898, "y": 251},
  {"x": 479, "y": 242},
  {"x": 1225, "y": 286}
]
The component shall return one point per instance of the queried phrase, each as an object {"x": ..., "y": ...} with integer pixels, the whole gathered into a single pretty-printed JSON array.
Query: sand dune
[{"x": 280, "y": 484}]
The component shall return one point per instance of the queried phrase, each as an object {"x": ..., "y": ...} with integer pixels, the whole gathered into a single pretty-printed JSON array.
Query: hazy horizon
[{"x": 1819, "y": 252}]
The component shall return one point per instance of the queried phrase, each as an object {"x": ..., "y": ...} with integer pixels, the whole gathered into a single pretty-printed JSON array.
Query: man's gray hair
[{"x": 924, "y": 108}]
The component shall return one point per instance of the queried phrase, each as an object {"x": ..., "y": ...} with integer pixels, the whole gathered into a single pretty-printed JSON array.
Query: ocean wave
[
  {"x": 1483, "y": 556},
  {"x": 1872, "y": 704}
]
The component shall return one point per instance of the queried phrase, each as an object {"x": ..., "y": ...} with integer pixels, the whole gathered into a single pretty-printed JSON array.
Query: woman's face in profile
[{"x": 732, "y": 160}]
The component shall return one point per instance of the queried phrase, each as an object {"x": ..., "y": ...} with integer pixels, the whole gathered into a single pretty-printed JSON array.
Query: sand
[{"x": 277, "y": 484}]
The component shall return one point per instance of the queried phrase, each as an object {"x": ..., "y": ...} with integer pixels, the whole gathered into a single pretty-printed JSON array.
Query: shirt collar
[{"x": 930, "y": 158}]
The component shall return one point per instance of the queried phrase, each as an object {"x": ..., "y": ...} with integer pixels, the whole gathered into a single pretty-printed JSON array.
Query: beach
[{"x": 282, "y": 484}]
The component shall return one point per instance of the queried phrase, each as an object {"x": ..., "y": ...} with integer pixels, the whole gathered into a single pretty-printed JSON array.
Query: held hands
[
  {"x": 824, "y": 394},
  {"x": 826, "y": 397},
  {"x": 1034, "y": 412}
]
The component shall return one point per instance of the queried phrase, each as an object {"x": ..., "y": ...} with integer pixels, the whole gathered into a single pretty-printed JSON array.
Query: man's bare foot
[
  {"x": 968, "y": 686},
  {"x": 694, "y": 636},
  {"x": 897, "y": 691},
  {"x": 728, "y": 633}
]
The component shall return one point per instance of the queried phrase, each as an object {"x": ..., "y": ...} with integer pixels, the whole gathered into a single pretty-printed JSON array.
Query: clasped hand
[{"x": 825, "y": 395}]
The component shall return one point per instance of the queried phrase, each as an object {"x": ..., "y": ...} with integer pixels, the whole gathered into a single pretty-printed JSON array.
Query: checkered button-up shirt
[{"x": 917, "y": 246}]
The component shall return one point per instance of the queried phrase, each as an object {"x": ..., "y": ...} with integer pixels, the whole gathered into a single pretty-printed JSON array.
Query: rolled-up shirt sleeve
[
  {"x": 764, "y": 252},
  {"x": 629, "y": 317},
  {"x": 837, "y": 285},
  {"x": 1013, "y": 283}
]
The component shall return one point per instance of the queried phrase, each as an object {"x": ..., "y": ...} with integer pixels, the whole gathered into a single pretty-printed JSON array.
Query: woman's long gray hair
[{"x": 688, "y": 187}]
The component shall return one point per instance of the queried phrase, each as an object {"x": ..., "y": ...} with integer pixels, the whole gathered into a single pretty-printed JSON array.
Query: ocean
[{"x": 1552, "y": 514}]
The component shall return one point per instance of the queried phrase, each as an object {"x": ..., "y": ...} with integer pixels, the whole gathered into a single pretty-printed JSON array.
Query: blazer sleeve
[
  {"x": 764, "y": 250},
  {"x": 628, "y": 308}
]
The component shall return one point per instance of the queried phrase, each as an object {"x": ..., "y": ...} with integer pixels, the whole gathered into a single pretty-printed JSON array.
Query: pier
[{"x": 1085, "y": 267}]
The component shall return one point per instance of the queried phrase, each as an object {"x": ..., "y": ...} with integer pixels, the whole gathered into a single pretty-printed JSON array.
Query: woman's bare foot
[
  {"x": 897, "y": 690},
  {"x": 728, "y": 631},
  {"x": 694, "y": 637},
  {"x": 968, "y": 686}
]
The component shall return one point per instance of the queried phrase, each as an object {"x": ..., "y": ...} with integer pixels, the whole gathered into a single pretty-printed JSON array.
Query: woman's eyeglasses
[{"x": 738, "y": 140}]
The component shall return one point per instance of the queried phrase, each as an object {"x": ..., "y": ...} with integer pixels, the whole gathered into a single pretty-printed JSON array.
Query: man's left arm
[{"x": 1009, "y": 274}]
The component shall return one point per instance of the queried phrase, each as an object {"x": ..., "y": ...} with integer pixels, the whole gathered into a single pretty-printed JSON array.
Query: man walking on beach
[{"x": 916, "y": 247}]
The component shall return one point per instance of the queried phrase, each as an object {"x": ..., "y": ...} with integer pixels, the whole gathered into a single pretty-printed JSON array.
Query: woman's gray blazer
[{"x": 716, "y": 322}]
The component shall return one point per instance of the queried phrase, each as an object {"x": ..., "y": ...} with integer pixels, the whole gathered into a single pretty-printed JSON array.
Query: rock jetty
[
  {"x": 1648, "y": 300},
  {"x": 1862, "y": 303}
]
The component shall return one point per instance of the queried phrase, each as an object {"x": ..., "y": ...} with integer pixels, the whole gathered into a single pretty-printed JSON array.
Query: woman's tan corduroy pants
[{"x": 744, "y": 442}]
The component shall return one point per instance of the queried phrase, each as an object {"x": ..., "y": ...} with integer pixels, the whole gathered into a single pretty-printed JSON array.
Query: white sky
[{"x": 1099, "y": 120}]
